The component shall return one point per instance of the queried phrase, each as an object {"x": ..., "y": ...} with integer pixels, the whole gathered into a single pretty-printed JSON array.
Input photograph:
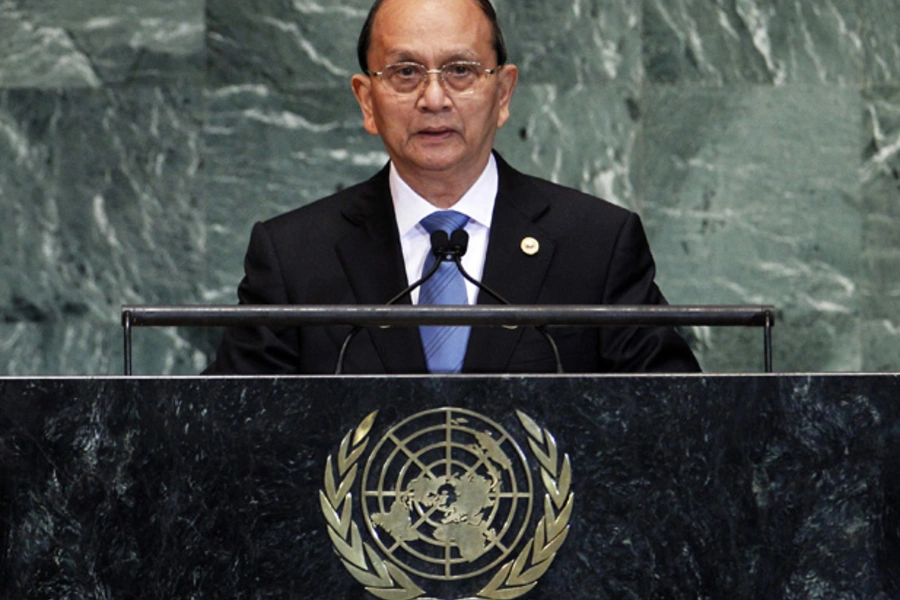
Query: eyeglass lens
[{"x": 405, "y": 78}]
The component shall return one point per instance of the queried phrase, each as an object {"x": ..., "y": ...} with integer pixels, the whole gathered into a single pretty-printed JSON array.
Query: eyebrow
[{"x": 401, "y": 55}]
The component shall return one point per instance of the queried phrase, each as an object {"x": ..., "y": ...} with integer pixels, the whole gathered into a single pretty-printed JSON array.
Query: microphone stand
[
  {"x": 442, "y": 249},
  {"x": 460, "y": 238},
  {"x": 451, "y": 248}
]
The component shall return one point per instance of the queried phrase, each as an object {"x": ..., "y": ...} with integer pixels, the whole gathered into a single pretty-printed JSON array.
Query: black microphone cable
[
  {"x": 451, "y": 248},
  {"x": 459, "y": 243},
  {"x": 442, "y": 249}
]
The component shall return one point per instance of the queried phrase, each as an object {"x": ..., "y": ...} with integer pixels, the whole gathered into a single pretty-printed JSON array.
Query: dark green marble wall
[{"x": 758, "y": 139}]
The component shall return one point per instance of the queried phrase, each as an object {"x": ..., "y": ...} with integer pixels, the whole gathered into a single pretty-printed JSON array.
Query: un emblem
[{"x": 446, "y": 495}]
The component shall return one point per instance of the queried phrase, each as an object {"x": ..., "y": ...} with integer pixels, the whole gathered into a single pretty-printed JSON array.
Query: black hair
[{"x": 365, "y": 36}]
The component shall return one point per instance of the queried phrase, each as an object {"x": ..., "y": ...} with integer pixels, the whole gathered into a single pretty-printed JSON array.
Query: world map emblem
[{"x": 447, "y": 496}]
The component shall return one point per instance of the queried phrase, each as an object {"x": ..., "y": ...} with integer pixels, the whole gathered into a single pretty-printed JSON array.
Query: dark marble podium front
[{"x": 685, "y": 487}]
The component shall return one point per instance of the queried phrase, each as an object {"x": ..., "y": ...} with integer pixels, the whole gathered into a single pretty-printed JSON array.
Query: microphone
[
  {"x": 444, "y": 248},
  {"x": 450, "y": 248},
  {"x": 459, "y": 243}
]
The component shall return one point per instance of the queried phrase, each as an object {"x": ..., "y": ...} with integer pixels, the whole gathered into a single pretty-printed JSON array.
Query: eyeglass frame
[{"x": 439, "y": 72}]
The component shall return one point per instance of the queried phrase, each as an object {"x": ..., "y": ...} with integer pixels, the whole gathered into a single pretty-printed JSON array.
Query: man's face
[{"x": 431, "y": 134}]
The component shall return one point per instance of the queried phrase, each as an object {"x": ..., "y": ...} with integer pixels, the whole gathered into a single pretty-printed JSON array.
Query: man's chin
[
  {"x": 440, "y": 163},
  {"x": 445, "y": 159}
]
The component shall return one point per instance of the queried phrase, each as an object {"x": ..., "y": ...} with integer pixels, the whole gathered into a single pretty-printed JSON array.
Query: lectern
[
  {"x": 451, "y": 487},
  {"x": 581, "y": 487}
]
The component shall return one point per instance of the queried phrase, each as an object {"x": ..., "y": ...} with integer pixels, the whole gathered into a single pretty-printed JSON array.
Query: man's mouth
[{"x": 436, "y": 132}]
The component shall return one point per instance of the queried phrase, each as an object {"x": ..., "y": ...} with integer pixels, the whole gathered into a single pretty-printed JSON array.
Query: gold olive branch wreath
[{"x": 383, "y": 579}]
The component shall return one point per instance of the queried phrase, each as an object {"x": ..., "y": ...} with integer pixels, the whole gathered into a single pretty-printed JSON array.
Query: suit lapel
[
  {"x": 508, "y": 270},
  {"x": 373, "y": 263}
]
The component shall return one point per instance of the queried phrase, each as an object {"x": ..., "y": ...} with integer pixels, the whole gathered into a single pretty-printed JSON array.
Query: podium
[{"x": 695, "y": 486}]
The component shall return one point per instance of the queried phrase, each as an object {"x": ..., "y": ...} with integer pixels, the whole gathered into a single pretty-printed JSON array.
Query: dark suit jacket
[{"x": 345, "y": 249}]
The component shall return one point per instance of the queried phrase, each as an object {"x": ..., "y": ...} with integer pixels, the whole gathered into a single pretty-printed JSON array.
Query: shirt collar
[{"x": 477, "y": 203}]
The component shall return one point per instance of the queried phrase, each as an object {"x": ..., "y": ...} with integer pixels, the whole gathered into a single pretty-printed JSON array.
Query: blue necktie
[{"x": 445, "y": 346}]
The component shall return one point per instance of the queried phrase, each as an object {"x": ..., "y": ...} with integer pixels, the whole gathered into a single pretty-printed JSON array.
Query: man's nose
[{"x": 435, "y": 94}]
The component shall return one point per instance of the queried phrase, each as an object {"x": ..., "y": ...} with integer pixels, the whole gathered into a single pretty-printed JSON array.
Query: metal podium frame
[{"x": 538, "y": 316}]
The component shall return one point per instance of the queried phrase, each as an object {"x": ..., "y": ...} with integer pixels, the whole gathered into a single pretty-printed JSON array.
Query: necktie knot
[{"x": 444, "y": 220}]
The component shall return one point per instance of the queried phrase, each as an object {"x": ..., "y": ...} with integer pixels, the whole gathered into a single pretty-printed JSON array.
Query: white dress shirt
[{"x": 477, "y": 204}]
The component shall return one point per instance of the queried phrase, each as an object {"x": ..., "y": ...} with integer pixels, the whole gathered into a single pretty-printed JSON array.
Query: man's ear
[
  {"x": 508, "y": 77},
  {"x": 362, "y": 89}
]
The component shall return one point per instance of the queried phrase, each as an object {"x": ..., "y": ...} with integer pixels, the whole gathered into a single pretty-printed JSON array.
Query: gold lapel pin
[{"x": 530, "y": 246}]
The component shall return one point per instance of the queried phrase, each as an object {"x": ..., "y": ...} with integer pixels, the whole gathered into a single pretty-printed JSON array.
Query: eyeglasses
[{"x": 457, "y": 77}]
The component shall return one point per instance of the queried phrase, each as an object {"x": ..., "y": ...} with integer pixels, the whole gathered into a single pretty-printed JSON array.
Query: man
[{"x": 436, "y": 88}]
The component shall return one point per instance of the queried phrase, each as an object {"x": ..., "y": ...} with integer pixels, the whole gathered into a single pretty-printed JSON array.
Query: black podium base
[{"x": 681, "y": 487}]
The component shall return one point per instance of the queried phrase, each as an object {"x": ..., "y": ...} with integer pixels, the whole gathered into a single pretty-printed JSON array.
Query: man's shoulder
[
  {"x": 562, "y": 200},
  {"x": 344, "y": 207},
  {"x": 577, "y": 198}
]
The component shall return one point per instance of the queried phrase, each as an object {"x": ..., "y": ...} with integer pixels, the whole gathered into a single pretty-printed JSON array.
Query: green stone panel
[
  {"x": 758, "y": 41},
  {"x": 167, "y": 350},
  {"x": 881, "y": 345},
  {"x": 749, "y": 197},
  {"x": 574, "y": 42},
  {"x": 881, "y": 39},
  {"x": 582, "y": 137},
  {"x": 267, "y": 153},
  {"x": 98, "y": 211},
  {"x": 50, "y": 44},
  {"x": 881, "y": 229},
  {"x": 73, "y": 346},
  {"x": 77, "y": 346},
  {"x": 286, "y": 45}
]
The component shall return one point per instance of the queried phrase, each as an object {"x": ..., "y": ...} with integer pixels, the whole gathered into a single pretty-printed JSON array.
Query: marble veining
[
  {"x": 751, "y": 40},
  {"x": 685, "y": 487},
  {"x": 758, "y": 140},
  {"x": 92, "y": 43},
  {"x": 881, "y": 35}
]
